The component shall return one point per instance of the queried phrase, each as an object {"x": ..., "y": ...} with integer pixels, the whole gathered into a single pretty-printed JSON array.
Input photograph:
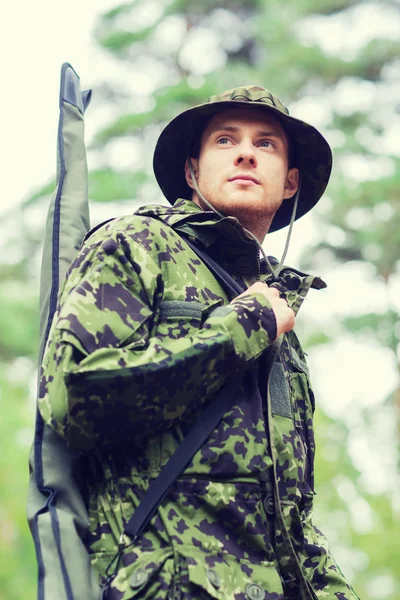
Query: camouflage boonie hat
[{"x": 312, "y": 153}]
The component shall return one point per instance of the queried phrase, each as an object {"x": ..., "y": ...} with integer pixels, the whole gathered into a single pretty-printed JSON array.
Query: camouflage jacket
[{"x": 143, "y": 337}]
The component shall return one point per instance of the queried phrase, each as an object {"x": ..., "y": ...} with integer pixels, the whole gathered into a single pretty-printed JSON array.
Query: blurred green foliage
[
  {"x": 276, "y": 44},
  {"x": 17, "y": 560}
]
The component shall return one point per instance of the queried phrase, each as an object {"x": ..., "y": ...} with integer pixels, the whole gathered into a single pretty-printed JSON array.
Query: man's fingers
[
  {"x": 273, "y": 291},
  {"x": 285, "y": 317}
]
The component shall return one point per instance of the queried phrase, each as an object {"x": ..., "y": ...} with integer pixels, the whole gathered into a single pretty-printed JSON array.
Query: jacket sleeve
[
  {"x": 108, "y": 375},
  {"x": 318, "y": 565}
]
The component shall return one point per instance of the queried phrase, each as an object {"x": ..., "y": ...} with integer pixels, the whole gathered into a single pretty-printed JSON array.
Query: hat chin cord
[{"x": 275, "y": 271}]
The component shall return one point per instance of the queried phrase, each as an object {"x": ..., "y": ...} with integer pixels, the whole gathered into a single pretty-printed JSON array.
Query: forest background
[{"x": 336, "y": 63}]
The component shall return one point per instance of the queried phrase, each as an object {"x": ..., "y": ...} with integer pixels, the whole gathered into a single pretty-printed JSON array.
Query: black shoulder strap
[
  {"x": 208, "y": 420},
  {"x": 194, "y": 440},
  {"x": 231, "y": 286},
  {"x": 159, "y": 487}
]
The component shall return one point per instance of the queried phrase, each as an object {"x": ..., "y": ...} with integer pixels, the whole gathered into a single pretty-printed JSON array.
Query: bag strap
[
  {"x": 205, "y": 425},
  {"x": 226, "y": 280},
  {"x": 232, "y": 287},
  {"x": 193, "y": 441}
]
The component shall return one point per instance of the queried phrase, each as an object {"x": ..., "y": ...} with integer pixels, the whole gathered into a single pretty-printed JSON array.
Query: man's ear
[
  {"x": 292, "y": 183},
  {"x": 188, "y": 175}
]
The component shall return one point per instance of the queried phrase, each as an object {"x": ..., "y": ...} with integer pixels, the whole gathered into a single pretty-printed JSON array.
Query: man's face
[{"x": 242, "y": 168}]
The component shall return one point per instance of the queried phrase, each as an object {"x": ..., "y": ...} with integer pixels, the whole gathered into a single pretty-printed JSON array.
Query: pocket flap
[
  {"x": 299, "y": 364},
  {"x": 224, "y": 577},
  {"x": 138, "y": 574}
]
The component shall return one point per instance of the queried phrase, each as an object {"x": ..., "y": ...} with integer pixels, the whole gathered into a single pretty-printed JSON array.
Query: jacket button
[
  {"x": 255, "y": 592},
  {"x": 244, "y": 265},
  {"x": 213, "y": 578},
  {"x": 269, "y": 504},
  {"x": 138, "y": 578}
]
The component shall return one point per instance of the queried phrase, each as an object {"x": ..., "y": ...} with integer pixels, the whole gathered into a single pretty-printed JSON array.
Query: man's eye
[
  {"x": 223, "y": 140},
  {"x": 265, "y": 144}
]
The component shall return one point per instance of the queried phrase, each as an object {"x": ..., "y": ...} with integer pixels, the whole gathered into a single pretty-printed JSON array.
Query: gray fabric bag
[{"x": 56, "y": 511}]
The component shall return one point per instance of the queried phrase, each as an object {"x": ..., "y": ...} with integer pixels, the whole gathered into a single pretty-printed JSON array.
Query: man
[{"x": 146, "y": 336}]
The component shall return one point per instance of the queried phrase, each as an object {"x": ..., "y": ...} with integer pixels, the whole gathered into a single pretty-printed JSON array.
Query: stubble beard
[{"x": 253, "y": 214}]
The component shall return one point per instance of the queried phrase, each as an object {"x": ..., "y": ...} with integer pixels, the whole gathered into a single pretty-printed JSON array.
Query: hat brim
[{"x": 313, "y": 156}]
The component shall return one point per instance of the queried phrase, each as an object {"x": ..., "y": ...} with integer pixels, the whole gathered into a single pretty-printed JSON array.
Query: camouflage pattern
[
  {"x": 312, "y": 153},
  {"x": 143, "y": 337}
]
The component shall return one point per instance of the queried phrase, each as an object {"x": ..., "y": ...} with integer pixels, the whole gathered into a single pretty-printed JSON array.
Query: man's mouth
[{"x": 243, "y": 179}]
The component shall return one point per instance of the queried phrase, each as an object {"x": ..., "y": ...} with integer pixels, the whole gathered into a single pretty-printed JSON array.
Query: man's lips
[{"x": 245, "y": 178}]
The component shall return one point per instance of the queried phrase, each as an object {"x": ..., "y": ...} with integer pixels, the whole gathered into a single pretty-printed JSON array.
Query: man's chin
[{"x": 243, "y": 203}]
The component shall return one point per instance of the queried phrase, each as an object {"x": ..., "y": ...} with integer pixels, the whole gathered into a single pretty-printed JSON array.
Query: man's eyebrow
[
  {"x": 226, "y": 128},
  {"x": 234, "y": 129},
  {"x": 276, "y": 134}
]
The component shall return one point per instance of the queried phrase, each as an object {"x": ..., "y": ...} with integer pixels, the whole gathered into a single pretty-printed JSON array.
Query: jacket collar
[
  {"x": 226, "y": 241},
  {"x": 186, "y": 216}
]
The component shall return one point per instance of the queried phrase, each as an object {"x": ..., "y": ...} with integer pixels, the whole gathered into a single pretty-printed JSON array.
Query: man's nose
[{"x": 246, "y": 156}]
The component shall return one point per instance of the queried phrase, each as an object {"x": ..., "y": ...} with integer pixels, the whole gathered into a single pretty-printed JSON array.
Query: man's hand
[{"x": 285, "y": 318}]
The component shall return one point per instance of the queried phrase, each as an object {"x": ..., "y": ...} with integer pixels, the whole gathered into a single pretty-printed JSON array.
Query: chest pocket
[
  {"x": 147, "y": 576},
  {"x": 192, "y": 574},
  {"x": 303, "y": 404},
  {"x": 289, "y": 395},
  {"x": 224, "y": 578}
]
